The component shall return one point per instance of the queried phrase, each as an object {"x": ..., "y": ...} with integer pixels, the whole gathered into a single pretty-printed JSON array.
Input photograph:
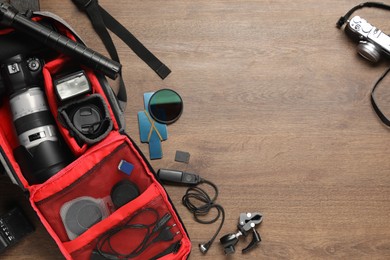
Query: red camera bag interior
[{"x": 93, "y": 173}]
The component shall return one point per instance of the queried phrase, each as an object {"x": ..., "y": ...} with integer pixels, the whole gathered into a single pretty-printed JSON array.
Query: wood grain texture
[{"x": 276, "y": 112}]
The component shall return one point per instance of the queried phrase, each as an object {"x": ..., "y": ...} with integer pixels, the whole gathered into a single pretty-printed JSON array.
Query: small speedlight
[{"x": 72, "y": 85}]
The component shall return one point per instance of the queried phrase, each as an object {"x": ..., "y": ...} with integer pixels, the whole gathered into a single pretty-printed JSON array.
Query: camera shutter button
[{"x": 357, "y": 19}]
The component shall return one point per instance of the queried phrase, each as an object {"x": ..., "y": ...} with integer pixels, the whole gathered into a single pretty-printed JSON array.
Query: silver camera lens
[
  {"x": 369, "y": 51},
  {"x": 32, "y": 118}
]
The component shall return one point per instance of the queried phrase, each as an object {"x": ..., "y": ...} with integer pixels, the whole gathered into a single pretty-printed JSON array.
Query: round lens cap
[
  {"x": 86, "y": 119},
  {"x": 123, "y": 192}
]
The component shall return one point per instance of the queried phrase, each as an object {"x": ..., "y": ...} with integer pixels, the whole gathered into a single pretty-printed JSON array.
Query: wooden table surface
[{"x": 276, "y": 112}]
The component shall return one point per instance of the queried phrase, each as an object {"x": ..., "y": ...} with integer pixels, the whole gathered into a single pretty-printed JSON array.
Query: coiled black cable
[
  {"x": 199, "y": 203},
  {"x": 155, "y": 231}
]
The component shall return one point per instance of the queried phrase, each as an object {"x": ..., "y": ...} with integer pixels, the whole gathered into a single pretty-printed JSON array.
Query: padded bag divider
[
  {"x": 54, "y": 67},
  {"x": 99, "y": 174}
]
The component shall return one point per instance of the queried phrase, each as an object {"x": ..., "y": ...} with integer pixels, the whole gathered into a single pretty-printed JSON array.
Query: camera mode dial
[{"x": 33, "y": 64}]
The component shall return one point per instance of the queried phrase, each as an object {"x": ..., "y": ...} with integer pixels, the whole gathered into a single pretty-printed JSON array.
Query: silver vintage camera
[{"x": 373, "y": 43}]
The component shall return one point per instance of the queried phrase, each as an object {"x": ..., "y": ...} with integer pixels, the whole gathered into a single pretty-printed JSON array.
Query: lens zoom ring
[{"x": 32, "y": 121}]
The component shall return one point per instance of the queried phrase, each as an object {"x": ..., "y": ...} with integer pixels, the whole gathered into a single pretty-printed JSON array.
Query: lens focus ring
[{"x": 369, "y": 51}]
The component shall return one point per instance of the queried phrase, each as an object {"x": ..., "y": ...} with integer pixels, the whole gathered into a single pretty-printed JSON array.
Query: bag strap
[
  {"x": 92, "y": 9},
  {"x": 382, "y": 117},
  {"x": 102, "y": 20}
]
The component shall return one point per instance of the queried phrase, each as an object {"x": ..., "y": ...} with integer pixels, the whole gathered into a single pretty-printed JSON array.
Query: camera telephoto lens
[
  {"x": 41, "y": 153},
  {"x": 32, "y": 119}
]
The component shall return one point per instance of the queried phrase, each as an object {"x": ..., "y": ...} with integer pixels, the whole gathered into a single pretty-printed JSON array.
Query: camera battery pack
[{"x": 13, "y": 227}]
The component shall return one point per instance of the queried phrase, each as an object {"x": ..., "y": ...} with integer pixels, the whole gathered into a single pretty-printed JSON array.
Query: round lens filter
[{"x": 165, "y": 106}]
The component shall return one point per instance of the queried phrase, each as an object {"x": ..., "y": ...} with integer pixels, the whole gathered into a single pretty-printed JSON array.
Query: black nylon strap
[
  {"x": 382, "y": 117},
  {"x": 100, "y": 28},
  {"x": 91, "y": 7},
  {"x": 154, "y": 63},
  {"x": 102, "y": 20}
]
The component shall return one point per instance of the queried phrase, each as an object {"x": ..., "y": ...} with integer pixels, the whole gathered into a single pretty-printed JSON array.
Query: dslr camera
[
  {"x": 373, "y": 43},
  {"x": 41, "y": 153}
]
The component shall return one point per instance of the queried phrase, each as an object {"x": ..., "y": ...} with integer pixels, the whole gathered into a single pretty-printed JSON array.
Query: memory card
[{"x": 125, "y": 167}]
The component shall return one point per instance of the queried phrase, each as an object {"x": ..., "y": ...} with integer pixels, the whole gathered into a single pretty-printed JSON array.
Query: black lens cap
[
  {"x": 87, "y": 119},
  {"x": 124, "y": 192}
]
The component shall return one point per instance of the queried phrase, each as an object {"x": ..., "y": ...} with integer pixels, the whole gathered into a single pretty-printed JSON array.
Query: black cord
[
  {"x": 199, "y": 203},
  {"x": 380, "y": 114},
  {"x": 151, "y": 229}
]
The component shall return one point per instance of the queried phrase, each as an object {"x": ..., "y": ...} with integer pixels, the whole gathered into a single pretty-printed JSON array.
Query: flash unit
[{"x": 72, "y": 85}]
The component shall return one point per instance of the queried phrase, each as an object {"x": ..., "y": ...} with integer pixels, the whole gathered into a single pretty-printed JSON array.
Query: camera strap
[
  {"x": 380, "y": 114},
  {"x": 340, "y": 23},
  {"x": 102, "y": 20},
  {"x": 343, "y": 19}
]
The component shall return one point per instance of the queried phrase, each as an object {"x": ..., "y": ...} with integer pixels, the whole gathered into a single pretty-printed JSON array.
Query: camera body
[
  {"x": 14, "y": 225},
  {"x": 373, "y": 43},
  {"x": 40, "y": 154}
]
